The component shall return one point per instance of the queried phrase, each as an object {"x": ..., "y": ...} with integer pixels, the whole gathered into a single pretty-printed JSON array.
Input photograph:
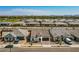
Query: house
[
  {"x": 38, "y": 20},
  {"x": 18, "y": 24},
  {"x": 75, "y": 34},
  {"x": 63, "y": 33},
  {"x": 58, "y": 33},
  {"x": 69, "y": 20},
  {"x": 32, "y": 23},
  {"x": 40, "y": 34},
  {"x": 74, "y": 23},
  {"x": 15, "y": 35},
  {"x": 61, "y": 23},
  {"x": 47, "y": 23},
  {"x": 5, "y": 23},
  {"x": 28, "y": 20},
  {"x": 62, "y": 20}
]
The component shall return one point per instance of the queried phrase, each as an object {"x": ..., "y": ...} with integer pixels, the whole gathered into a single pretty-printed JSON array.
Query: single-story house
[
  {"x": 74, "y": 23},
  {"x": 75, "y": 34},
  {"x": 48, "y": 23},
  {"x": 58, "y": 33},
  {"x": 18, "y": 24},
  {"x": 38, "y": 20},
  {"x": 5, "y": 23},
  {"x": 28, "y": 20},
  {"x": 15, "y": 35},
  {"x": 32, "y": 23},
  {"x": 40, "y": 34},
  {"x": 62, "y": 20},
  {"x": 61, "y": 23}
]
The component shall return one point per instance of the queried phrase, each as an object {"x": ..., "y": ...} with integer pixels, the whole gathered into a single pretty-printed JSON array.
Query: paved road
[{"x": 40, "y": 50}]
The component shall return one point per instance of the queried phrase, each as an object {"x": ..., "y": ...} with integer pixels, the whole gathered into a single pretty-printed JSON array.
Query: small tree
[
  {"x": 31, "y": 40},
  {"x": 60, "y": 40}
]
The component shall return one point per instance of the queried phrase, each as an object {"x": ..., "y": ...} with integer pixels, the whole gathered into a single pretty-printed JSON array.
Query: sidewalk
[
  {"x": 74, "y": 45},
  {"x": 40, "y": 45},
  {"x": 35, "y": 45}
]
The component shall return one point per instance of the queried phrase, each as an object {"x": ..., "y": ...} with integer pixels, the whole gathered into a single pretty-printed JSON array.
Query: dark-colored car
[{"x": 9, "y": 46}]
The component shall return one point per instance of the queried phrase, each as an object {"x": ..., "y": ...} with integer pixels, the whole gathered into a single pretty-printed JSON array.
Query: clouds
[
  {"x": 24, "y": 11},
  {"x": 32, "y": 11}
]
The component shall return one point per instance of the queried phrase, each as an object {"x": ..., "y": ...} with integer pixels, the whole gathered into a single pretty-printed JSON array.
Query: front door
[{"x": 46, "y": 42}]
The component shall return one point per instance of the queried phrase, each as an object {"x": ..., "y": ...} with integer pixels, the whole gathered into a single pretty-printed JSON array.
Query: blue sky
[{"x": 39, "y": 10}]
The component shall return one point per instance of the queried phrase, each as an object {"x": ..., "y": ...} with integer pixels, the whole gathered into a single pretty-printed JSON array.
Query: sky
[{"x": 39, "y": 10}]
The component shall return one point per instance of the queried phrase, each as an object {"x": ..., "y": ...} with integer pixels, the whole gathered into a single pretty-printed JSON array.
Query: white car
[{"x": 68, "y": 41}]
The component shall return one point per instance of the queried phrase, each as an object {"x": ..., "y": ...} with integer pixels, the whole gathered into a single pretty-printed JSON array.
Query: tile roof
[
  {"x": 43, "y": 33},
  {"x": 16, "y": 32}
]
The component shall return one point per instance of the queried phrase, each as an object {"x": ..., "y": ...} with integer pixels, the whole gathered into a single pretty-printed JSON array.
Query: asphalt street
[{"x": 63, "y": 49}]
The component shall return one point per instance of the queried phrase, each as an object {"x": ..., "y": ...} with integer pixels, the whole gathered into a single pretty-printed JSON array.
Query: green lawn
[{"x": 10, "y": 20}]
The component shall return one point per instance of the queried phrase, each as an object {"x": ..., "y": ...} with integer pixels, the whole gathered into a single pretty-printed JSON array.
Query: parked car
[
  {"x": 68, "y": 41},
  {"x": 76, "y": 38},
  {"x": 9, "y": 46}
]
